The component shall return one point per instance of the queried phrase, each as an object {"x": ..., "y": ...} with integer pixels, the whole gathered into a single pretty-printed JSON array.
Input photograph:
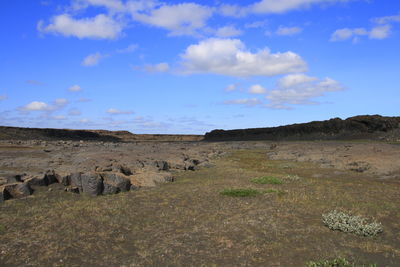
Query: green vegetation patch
[
  {"x": 240, "y": 192},
  {"x": 267, "y": 180},
  {"x": 337, "y": 220},
  {"x": 2, "y": 229}
]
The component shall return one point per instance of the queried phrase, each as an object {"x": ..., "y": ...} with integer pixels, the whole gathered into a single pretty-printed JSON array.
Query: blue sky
[{"x": 190, "y": 67}]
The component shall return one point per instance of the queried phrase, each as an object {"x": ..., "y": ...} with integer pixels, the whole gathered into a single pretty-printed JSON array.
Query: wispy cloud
[{"x": 114, "y": 111}]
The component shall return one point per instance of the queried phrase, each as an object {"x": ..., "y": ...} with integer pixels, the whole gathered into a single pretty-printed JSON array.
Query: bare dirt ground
[{"x": 189, "y": 222}]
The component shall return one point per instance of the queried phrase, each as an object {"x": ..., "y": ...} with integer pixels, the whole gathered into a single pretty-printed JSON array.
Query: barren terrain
[{"x": 174, "y": 213}]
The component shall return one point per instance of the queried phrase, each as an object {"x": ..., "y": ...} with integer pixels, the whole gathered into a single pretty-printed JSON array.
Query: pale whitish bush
[
  {"x": 341, "y": 221},
  {"x": 292, "y": 177}
]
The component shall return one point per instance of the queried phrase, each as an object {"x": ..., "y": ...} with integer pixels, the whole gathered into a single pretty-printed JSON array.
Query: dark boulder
[
  {"x": 114, "y": 183},
  {"x": 18, "y": 190},
  {"x": 89, "y": 183}
]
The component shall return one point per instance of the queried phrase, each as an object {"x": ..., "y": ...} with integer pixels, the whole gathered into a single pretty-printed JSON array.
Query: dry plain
[{"x": 175, "y": 214}]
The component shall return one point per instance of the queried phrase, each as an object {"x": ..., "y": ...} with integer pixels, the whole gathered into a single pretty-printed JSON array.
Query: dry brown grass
[{"x": 189, "y": 223}]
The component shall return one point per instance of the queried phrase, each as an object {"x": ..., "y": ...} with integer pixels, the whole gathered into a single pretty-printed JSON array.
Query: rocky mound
[{"x": 373, "y": 127}]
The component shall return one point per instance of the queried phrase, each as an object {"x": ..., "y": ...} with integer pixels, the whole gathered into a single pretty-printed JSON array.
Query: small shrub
[
  {"x": 240, "y": 192},
  {"x": 338, "y": 262},
  {"x": 292, "y": 177},
  {"x": 267, "y": 180},
  {"x": 341, "y": 221}
]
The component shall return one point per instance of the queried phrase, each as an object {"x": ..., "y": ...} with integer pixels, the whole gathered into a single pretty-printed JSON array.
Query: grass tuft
[
  {"x": 240, "y": 192},
  {"x": 267, "y": 180},
  {"x": 2, "y": 229}
]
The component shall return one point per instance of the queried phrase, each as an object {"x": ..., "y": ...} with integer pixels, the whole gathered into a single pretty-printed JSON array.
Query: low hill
[
  {"x": 19, "y": 133},
  {"x": 373, "y": 127}
]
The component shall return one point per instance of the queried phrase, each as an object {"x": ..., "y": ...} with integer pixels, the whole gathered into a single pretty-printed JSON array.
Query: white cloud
[
  {"x": 380, "y": 32},
  {"x": 160, "y": 67},
  {"x": 114, "y": 111},
  {"x": 75, "y": 88},
  {"x": 244, "y": 101},
  {"x": 294, "y": 80},
  {"x": 98, "y": 27},
  {"x": 230, "y": 88},
  {"x": 299, "y": 89},
  {"x": 230, "y": 57},
  {"x": 228, "y": 31},
  {"x": 282, "y": 6},
  {"x": 3, "y": 97},
  {"x": 180, "y": 19},
  {"x": 346, "y": 33},
  {"x": 92, "y": 60},
  {"x": 271, "y": 7},
  {"x": 257, "y": 89},
  {"x": 36, "y": 106},
  {"x": 84, "y": 121},
  {"x": 57, "y": 104},
  {"x": 128, "y": 49},
  {"x": 387, "y": 19},
  {"x": 286, "y": 31}
]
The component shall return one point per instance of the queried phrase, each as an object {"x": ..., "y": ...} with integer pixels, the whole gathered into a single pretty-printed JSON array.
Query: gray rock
[
  {"x": 115, "y": 183},
  {"x": 18, "y": 190},
  {"x": 92, "y": 184}
]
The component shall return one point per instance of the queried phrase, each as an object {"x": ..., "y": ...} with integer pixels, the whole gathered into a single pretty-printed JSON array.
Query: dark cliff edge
[
  {"x": 371, "y": 127},
  {"x": 18, "y": 133},
  {"x": 48, "y": 134}
]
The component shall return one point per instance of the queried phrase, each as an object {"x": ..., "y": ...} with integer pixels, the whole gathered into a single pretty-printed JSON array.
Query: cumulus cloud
[
  {"x": 286, "y": 31},
  {"x": 36, "y": 106},
  {"x": 114, "y": 111},
  {"x": 377, "y": 32},
  {"x": 180, "y": 19},
  {"x": 228, "y": 31},
  {"x": 3, "y": 97},
  {"x": 98, "y": 27},
  {"x": 257, "y": 89},
  {"x": 255, "y": 24},
  {"x": 92, "y": 60},
  {"x": 346, "y": 33},
  {"x": 57, "y": 104},
  {"x": 300, "y": 89},
  {"x": 230, "y": 57},
  {"x": 244, "y": 101},
  {"x": 380, "y": 32},
  {"x": 75, "y": 88}
]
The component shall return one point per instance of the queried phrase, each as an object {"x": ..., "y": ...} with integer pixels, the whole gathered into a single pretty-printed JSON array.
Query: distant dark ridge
[
  {"x": 18, "y": 133},
  {"x": 373, "y": 127}
]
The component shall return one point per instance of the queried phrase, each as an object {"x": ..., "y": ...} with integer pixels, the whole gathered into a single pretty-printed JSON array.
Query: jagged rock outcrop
[{"x": 359, "y": 127}]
